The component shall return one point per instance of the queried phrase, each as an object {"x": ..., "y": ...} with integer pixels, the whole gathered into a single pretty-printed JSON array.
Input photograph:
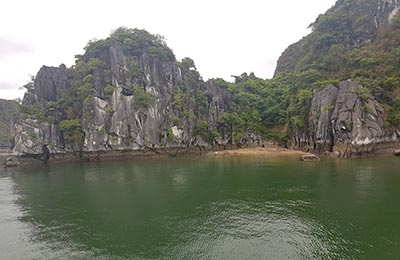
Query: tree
[
  {"x": 233, "y": 123},
  {"x": 73, "y": 135},
  {"x": 203, "y": 130},
  {"x": 142, "y": 98},
  {"x": 188, "y": 63},
  {"x": 29, "y": 86}
]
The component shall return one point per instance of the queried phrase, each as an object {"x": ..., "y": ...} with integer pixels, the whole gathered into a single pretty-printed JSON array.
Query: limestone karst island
[{"x": 130, "y": 154}]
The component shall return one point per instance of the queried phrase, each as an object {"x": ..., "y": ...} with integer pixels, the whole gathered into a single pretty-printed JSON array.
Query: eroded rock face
[
  {"x": 219, "y": 101},
  {"x": 122, "y": 121},
  {"x": 346, "y": 120},
  {"x": 94, "y": 125},
  {"x": 322, "y": 106},
  {"x": 32, "y": 135},
  {"x": 50, "y": 83},
  {"x": 133, "y": 125},
  {"x": 356, "y": 120}
]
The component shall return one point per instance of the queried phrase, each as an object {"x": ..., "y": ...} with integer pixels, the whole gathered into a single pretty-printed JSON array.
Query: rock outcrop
[
  {"x": 320, "y": 123},
  {"x": 9, "y": 163},
  {"x": 357, "y": 118},
  {"x": 50, "y": 84},
  {"x": 154, "y": 102},
  {"x": 32, "y": 135},
  {"x": 309, "y": 158},
  {"x": 346, "y": 120}
]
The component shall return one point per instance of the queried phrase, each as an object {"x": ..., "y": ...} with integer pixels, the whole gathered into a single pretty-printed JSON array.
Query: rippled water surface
[{"x": 202, "y": 208}]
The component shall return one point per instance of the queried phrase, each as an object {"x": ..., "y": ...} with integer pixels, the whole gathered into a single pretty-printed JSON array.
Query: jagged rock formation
[
  {"x": 126, "y": 98},
  {"x": 32, "y": 135},
  {"x": 321, "y": 109},
  {"x": 346, "y": 120},
  {"x": 357, "y": 118},
  {"x": 50, "y": 84}
]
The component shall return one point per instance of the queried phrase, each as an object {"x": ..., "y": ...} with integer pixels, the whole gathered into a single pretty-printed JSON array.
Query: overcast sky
[{"x": 223, "y": 37}]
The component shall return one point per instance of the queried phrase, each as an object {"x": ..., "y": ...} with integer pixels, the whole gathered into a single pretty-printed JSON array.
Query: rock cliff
[
  {"x": 50, "y": 84},
  {"x": 346, "y": 120},
  {"x": 123, "y": 94}
]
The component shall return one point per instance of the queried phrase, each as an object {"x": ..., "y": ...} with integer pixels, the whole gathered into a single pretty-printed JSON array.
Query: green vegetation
[
  {"x": 39, "y": 112},
  {"x": 232, "y": 125},
  {"x": 109, "y": 90},
  {"x": 72, "y": 133},
  {"x": 188, "y": 63},
  {"x": 9, "y": 115},
  {"x": 394, "y": 113},
  {"x": 29, "y": 86},
  {"x": 204, "y": 130},
  {"x": 142, "y": 98}
]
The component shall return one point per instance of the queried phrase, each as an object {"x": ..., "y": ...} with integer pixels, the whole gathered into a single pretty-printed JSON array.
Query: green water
[{"x": 202, "y": 208}]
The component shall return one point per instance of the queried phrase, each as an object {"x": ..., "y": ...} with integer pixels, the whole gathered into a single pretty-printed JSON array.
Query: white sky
[{"x": 223, "y": 37}]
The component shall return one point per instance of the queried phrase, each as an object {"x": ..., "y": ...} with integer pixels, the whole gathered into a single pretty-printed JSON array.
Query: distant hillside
[
  {"x": 349, "y": 24},
  {"x": 9, "y": 115}
]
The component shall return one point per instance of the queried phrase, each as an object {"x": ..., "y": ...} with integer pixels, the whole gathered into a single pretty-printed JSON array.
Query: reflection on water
[{"x": 202, "y": 208}]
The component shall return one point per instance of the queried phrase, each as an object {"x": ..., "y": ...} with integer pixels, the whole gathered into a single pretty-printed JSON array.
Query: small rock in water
[
  {"x": 309, "y": 158},
  {"x": 10, "y": 163}
]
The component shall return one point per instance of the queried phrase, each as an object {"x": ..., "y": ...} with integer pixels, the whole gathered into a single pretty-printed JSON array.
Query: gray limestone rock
[
  {"x": 322, "y": 106},
  {"x": 49, "y": 84},
  {"x": 356, "y": 120},
  {"x": 347, "y": 120},
  {"x": 94, "y": 125},
  {"x": 32, "y": 135},
  {"x": 309, "y": 158}
]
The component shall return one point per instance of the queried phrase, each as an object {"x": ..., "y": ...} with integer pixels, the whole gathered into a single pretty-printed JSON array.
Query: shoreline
[
  {"x": 258, "y": 151},
  {"x": 148, "y": 154}
]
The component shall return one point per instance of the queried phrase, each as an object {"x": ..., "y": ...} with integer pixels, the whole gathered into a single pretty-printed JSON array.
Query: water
[{"x": 202, "y": 208}]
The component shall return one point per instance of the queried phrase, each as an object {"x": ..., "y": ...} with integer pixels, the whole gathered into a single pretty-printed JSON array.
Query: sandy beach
[{"x": 258, "y": 152}]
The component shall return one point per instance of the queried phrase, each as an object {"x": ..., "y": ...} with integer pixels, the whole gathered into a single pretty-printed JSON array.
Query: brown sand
[{"x": 259, "y": 152}]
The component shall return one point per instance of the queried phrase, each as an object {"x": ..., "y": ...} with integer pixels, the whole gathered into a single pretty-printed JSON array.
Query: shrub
[{"x": 142, "y": 98}]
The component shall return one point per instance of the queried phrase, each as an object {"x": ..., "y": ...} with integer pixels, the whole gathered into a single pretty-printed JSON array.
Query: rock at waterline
[
  {"x": 309, "y": 158},
  {"x": 10, "y": 163},
  {"x": 396, "y": 153}
]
